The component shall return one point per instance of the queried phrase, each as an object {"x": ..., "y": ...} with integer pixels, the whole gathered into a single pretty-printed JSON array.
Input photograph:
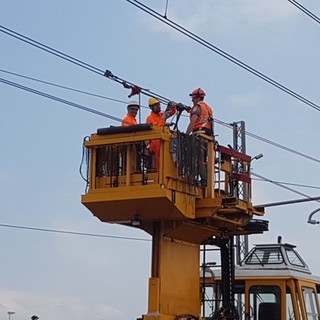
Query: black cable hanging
[{"x": 84, "y": 163}]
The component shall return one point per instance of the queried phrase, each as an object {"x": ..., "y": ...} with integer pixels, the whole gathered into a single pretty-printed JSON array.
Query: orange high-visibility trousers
[{"x": 154, "y": 148}]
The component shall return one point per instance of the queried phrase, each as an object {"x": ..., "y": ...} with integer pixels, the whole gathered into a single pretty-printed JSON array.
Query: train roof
[{"x": 271, "y": 260}]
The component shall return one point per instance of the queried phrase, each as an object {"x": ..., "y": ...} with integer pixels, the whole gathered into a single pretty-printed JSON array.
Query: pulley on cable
[{"x": 135, "y": 89}]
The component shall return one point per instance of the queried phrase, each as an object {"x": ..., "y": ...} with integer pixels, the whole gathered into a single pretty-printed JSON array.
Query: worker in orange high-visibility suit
[
  {"x": 130, "y": 119},
  {"x": 158, "y": 118},
  {"x": 201, "y": 119}
]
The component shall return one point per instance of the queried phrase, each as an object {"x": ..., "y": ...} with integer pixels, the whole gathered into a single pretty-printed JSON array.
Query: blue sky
[{"x": 77, "y": 277}]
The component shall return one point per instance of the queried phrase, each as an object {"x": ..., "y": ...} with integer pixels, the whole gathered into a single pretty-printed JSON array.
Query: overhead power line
[
  {"x": 50, "y": 50},
  {"x": 284, "y": 187},
  {"x": 61, "y": 86},
  {"x": 305, "y": 10},
  {"x": 275, "y": 144},
  {"x": 175, "y": 26},
  {"x": 66, "y": 88},
  {"x": 291, "y": 184},
  {"x": 222, "y": 53},
  {"x": 49, "y": 96},
  {"x": 72, "y": 232},
  {"x": 106, "y": 73}
]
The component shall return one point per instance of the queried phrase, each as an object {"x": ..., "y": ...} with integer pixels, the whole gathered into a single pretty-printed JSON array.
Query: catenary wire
[
  {"x": 66, "y": 88},
  {"x": 61, "y": 86},
  {"x": 255, "y": 136},
  {"x": 55, "y": 98},
  {"x": 72, "y": 232},
  {"x": 222, "y": 53},
  {"x": 49, "y": 96},
  {"x": 79, "y": 63},
  {"x": 282, "y": 186},
  {"x": 291, "y": 184},
  {"x": 305, "y": 10},
  {"x": 50, "y": 50}
]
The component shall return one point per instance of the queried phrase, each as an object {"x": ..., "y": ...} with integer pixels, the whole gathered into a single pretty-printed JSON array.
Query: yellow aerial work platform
[{"x": 126, "y": 186}]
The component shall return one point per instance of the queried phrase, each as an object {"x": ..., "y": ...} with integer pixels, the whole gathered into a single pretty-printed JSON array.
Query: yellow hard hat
[{"x": 153, "y": 101}]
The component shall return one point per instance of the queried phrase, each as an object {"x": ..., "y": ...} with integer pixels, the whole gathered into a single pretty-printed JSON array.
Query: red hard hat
[{"x": 197, "y": 93}]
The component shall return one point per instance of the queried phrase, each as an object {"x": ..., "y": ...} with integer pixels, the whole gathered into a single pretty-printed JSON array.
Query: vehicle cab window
[{"x": 265, "y": 302}]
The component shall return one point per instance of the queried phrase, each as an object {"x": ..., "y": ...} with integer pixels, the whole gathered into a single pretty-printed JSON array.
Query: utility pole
[{"x": 240, "y": 188}]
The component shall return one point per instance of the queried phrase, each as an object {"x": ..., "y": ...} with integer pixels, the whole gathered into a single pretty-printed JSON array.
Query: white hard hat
[{"x": 133, "y": 103}]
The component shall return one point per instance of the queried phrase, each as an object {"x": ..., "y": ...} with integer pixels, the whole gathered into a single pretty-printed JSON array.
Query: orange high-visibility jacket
[
  {"x": 129, "y": 120},
  {"x": 205, "y": 113},
  {"x": 156, "y": 119}
]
